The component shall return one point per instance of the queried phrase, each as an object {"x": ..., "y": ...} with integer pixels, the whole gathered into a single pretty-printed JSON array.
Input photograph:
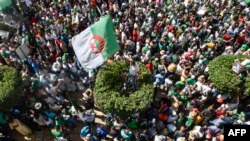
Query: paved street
[{"x": 45, "y": 135}]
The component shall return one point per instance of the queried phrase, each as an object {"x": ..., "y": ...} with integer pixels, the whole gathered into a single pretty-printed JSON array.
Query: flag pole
[{"x": 98, "y": 9}]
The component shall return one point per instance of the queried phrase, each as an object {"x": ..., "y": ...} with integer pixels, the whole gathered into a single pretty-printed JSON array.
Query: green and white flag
[
  {"x": 4, "y": 4},
  {"x": 96, "y": 44}
]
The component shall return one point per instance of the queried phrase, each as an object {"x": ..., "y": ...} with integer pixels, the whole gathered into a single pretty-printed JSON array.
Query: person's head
[
  {"x": 88, "y": 93},
  {"x": 10, "y": 119},
  {"x": 57, "y": 127},
  {"x": 211, "y": 107},
  {"x": 182, "y": 128},
  {"x": 132, "y": 62}
]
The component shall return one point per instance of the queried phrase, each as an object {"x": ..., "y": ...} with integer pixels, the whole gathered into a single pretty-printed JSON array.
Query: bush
[
  {"x": 221, "y": 74},
  {"x": 247, "y": 86},
  {"x": 10, "y": 85},
  {"x": 111, "y": 78}
]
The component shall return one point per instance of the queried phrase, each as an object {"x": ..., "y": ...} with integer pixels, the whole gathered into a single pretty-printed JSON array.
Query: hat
[
  {"x": 162, "y": 52},
  {"x": 183, "y": 98},
  {"x": 244, "y": 47},
  {"x": 179, "y": 84},
  {"x": 173, "y": 93},
  {"x": 190, "y": 81},
  {"x": 211, "y": 45},
  {"x": 38, "y": 105},
  {"x": 205, "y": 61},
  {"x": 174, "y": 58},
  {"x": 172, "y": 67},
  {"x": 192, "y": 114}
]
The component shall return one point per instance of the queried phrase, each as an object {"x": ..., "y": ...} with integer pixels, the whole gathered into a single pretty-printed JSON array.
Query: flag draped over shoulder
[{"x": 96, "y": 44}]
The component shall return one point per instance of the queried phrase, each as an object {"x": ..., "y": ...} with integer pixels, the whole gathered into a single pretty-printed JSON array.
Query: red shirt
[
  {"x": 240, "y": 39},
  {"x": 134, "y": 35},
  {"x": 94, "y": 2},
  {"x": 171, "y": 28},
  {"x": 58, "y": 42},
  {"x": 227, "y": 37},
  {"x": 150, "y": 66}
]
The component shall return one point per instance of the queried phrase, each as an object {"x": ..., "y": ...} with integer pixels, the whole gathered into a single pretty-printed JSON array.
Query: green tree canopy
[
  {"x": 222, "y": 75},
  {"x": 110, "y": 80},
  {"x": 10, "y": 84}
]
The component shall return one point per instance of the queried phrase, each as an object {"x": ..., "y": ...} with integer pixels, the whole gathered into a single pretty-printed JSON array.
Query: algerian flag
[
  {"x": 4, "y": 4},
  {"x": 96, "y": 44}
]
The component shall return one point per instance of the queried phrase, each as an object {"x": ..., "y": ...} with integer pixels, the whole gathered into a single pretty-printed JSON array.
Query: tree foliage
[
  {"x": 111, "y": 78},
  {"x": 247, "y": 86},
  {"x": 222, "y": 75},
  {"x": 10, "y": 85}
]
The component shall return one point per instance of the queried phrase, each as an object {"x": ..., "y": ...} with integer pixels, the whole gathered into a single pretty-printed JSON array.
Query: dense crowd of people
[{"x": 175, "y": 39}]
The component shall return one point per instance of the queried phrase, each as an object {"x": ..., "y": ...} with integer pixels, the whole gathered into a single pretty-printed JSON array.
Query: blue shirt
[
  {"x": 101, "y": 132},
  {"x": 50, "y": 115},
  {"x": 159, "y": 78}
]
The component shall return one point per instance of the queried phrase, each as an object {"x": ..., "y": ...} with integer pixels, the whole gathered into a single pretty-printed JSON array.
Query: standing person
[
  {"x": 57, "y": 132},
  {"x": 133, "y": 72},
  {"x": 20, "y": 127}
]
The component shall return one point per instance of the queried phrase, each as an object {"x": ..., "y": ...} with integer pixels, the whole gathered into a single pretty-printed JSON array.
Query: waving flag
[{"x": 96, "y": 44}]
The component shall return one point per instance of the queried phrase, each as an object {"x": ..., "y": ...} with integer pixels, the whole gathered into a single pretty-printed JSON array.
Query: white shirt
[
  {"x": 245, "y": 62},
  {"x": 133, "y": 70},
  {"x": 124, "y": 37},
  {"x": 168, "y": 82},
  {"x": 159, "y": 138},
  {"x": 56, "y": 67},
  {"x": 202, "y": 88}
]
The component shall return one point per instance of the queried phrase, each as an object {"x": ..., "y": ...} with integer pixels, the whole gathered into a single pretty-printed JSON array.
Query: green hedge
[
  {"x": 221, "y": 74},
  {"x": 247, "y": 86},
  {"x": 10, "y": 86},
  {"x": 110, "y": 79}
]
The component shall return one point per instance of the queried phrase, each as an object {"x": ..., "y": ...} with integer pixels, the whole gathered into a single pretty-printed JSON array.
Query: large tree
[
  {"x": 10, "y": 86},
  {"x": 222, "y": 75},
  {"x": 108, "y": 93}
]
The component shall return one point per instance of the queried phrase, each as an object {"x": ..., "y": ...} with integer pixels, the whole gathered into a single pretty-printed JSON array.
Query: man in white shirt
[{"x": 133, "y": 71}]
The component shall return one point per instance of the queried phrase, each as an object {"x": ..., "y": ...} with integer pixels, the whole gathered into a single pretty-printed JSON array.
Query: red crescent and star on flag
[{"x": 96, "y": 44}]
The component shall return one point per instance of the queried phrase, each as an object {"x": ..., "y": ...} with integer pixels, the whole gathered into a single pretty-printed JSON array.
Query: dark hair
[
  {"x": 88, "y": 93},
  {"x": 57, "y": 127},
  {"x": 132, "y": 62}
]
